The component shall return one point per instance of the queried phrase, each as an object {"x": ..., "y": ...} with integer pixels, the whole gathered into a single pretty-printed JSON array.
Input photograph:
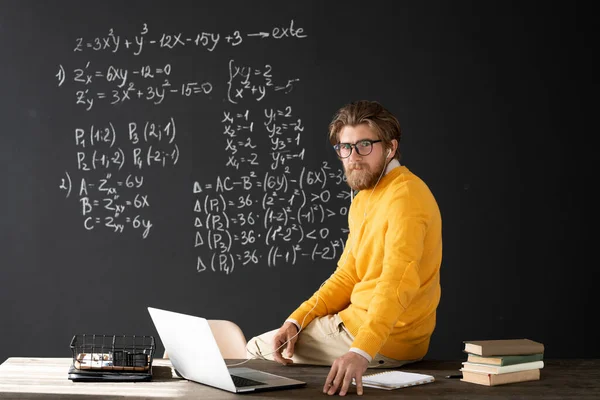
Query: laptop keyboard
[{"x": 238, "y": 381}]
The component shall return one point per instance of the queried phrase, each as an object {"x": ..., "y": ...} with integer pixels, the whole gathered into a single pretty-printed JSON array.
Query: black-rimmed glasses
[{"x": 363, "y": 148}]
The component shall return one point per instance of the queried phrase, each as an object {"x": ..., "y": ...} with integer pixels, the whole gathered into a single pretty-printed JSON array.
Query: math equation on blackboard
[{"x": 271, "y": 203}]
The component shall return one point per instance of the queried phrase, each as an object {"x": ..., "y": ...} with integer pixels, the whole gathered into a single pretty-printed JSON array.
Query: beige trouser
[{"x": 320, "y": 343}]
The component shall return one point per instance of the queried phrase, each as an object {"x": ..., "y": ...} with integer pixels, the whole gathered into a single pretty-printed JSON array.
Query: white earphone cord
[{"x": 254, "y": 356}]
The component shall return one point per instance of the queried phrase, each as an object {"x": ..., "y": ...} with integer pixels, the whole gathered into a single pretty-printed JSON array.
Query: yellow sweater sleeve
[{"x": 335, "y": 293}]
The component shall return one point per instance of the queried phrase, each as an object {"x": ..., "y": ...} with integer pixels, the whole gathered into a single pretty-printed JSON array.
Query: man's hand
[
  {"x": 350, "y": 365},
  {"x": 287, "y": 333}
]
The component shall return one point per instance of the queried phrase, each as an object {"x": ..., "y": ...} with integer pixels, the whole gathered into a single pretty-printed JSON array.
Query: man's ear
[{"x": 392, "y": 151}]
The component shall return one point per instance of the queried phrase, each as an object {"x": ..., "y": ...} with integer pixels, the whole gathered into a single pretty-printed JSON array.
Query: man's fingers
[
  {"x": 277, "y": 356},
  {"x": 277, "y": 351},
  {"x": 359, "y": 385},
  {"x": 280, "y": 359},
  {"x": 345, "y": 384},
  {"x": 329, "y": 380},
  {"x": 289, "y": 350},
  {"x": 335, "y": 384}
]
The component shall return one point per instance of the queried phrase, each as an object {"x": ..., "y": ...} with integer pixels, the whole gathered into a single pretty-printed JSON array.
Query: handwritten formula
[{"x": 270, "y": 204}]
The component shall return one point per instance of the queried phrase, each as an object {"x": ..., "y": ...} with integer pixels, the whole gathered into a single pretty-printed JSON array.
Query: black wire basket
[{"x": 111, "y": 357}]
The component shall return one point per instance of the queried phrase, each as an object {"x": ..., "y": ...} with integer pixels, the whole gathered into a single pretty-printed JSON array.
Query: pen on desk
[{"x": 454, "y": 376}]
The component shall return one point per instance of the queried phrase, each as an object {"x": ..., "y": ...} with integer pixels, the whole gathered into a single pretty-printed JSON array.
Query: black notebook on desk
[{"x": 97, "y": 376}]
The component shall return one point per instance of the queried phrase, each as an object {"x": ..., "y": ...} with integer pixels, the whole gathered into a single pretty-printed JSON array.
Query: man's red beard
[{"x": 359, "y": 176}]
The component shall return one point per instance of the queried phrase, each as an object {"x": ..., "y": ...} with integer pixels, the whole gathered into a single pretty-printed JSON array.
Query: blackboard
[{"x": 175, "y": 155}]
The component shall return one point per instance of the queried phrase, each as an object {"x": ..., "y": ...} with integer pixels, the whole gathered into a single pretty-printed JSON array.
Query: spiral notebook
[{"x": 395, "y": 379}]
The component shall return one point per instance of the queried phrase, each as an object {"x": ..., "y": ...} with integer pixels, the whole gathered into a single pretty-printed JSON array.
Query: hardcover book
[
  {"x": 503, "y": 347},
  {"x": 496, "y": 369},
  {"x": 500, "y": 379},
  {"x": 505, "y": 360}
]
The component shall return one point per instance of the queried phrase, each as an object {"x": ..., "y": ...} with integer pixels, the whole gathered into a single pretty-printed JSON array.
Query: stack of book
[{"x": 498, "y": 362}]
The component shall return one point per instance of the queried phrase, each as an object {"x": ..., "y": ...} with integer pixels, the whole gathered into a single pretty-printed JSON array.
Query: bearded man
[{"x": 378, "y": 309}]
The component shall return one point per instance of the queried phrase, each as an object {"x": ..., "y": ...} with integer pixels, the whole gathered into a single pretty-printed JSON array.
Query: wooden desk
[{"x": 36, "y": 378}]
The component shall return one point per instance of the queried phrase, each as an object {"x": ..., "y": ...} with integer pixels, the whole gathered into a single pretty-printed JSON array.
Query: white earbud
[{"x": 388, "y": 153}]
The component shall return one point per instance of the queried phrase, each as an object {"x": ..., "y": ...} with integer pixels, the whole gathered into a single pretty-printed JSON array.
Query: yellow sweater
[{"x": 386, "y": 287}]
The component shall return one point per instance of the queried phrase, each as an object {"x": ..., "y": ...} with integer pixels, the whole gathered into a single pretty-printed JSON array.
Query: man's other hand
[
  {"x": 287, "y": 335},
  {"x": 350, "y": 365}
]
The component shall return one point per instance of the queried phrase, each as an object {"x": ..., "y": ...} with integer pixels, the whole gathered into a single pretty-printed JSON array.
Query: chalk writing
[
  {"x": 267, "y": 206},
  {"x": 276, "y": 217},
  {"x": 113, "y": 42}
]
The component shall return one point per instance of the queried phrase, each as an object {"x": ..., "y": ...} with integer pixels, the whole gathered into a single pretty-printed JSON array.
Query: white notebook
[{"x": 395, "y": 379}]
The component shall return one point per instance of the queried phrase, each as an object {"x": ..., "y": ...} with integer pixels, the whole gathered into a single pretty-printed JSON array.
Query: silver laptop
[{"x": 195, "y": 355}]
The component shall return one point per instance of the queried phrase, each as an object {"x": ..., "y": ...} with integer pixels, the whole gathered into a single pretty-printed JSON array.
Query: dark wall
[{"x": 226, "y": 200}]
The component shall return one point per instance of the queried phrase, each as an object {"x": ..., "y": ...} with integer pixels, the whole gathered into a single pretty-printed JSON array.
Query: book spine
[
  {"x": 487, "y": 379},
  {"x": 503, "y": 361},
  {"x": 508, "y": 350},
  {"x": 467, "y": 366},
  {"x": 512, "y": 360}
]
